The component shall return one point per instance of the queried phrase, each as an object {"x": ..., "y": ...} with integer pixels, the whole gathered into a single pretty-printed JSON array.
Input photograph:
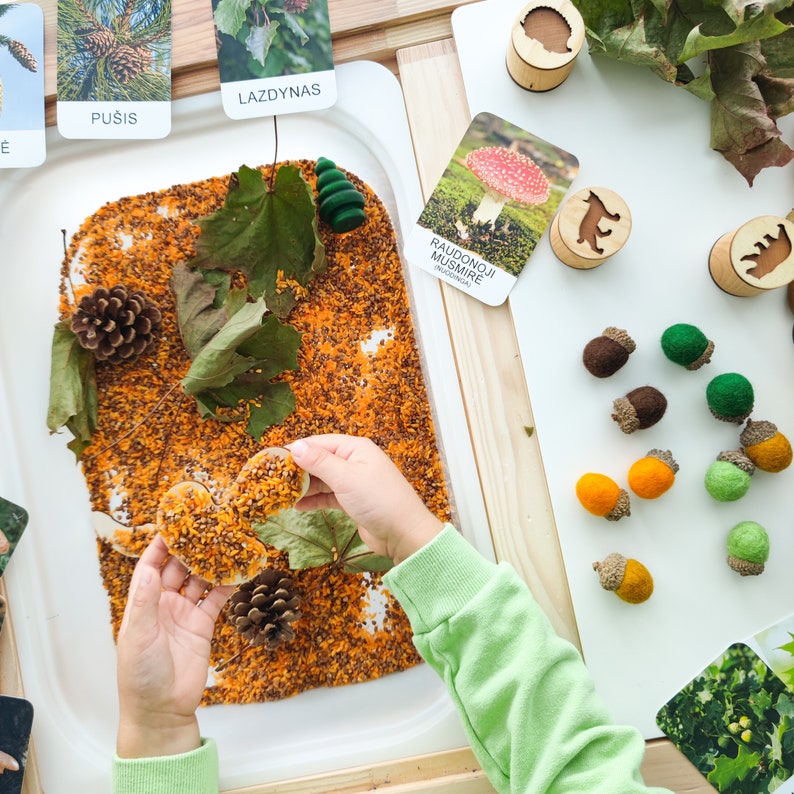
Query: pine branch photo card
[{"x": 490, "y": 208}]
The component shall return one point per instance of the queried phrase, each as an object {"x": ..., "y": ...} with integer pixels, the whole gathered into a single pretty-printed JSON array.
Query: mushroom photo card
[{"x": 490, "y": 208}]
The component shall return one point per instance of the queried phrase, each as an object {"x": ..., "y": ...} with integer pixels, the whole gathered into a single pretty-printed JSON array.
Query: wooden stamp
[
  {"x": 755, "y": 258},
  {"x": 591, "y": 226},
  {"x": 545, "y": 39}
]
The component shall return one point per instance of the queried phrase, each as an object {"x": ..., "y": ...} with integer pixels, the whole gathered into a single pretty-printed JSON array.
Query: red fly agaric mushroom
[{"x": 507, "y": 176}]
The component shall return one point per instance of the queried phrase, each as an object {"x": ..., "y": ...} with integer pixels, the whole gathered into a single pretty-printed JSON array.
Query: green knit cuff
[
  {"x": 195, "y": 772},
  {"x": 458, "y": 572}
]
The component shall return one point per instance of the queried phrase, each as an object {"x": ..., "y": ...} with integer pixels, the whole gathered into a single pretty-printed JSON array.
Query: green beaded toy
[{"x": 340, "y": 204}]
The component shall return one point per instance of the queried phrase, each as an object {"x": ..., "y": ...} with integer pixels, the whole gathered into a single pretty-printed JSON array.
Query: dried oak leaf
[{"x": 320, "y": 537}]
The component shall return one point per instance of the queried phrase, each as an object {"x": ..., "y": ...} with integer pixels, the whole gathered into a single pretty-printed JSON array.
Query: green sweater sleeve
[
  {"x": 527, "y": 702},
  {"x": 195, "y": 772}
]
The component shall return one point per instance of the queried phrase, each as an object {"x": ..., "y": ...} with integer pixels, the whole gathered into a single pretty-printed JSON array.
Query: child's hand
[{"x": 355, "y": 475}]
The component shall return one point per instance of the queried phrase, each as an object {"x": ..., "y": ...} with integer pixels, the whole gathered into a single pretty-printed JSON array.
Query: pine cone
[
  {"x": 99, "y": 42},
  {"x": 296, "y": 6},
  {"x": 23, "y": 55},
  {"x": 128, "y": 62},
  {"x": 115, "y": 325},
  {"x": 263, "y": 609}
]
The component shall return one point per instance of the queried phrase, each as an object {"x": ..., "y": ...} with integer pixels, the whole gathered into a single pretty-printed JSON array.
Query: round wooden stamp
[
  {"x": 545, "y": 39},
  {"x": 755, "y": 258},
  {"x": 591, "y": 226}
]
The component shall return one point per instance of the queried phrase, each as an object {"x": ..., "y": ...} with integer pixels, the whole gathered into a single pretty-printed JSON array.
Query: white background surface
[
  {"x": 57, "y": 601},
  {"x": 648, "y": 141}
]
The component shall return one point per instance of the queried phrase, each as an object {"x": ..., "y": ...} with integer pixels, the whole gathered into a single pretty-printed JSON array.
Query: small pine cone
[
  {"x": 116, "y": 325},
  {"x": 99, "y": 42},
  {"x": 128, "y": 62},
  {"x": 23, "y": 55},
  {"x": 296, "y": 6},
  {"x": 263, "y": 609}
]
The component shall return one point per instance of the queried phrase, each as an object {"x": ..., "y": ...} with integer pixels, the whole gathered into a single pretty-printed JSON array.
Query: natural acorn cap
[
  {"x": 606, "y": 354},
  {"x": 602, "y": 496},
  {"x": 629, "y": 579},
  {"x": 748, "y": 548},
  {"x": 730, "y": 397},
  {"x": 728, "y": 477},
  {"x": 639, "y": 409},
  {"x": 687, "y": 345},
  {"x": 766, "y": 446},
  {"x": 653, "y": 475}
]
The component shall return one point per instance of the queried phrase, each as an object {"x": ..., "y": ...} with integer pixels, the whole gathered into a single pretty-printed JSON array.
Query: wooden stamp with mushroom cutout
[
  {"x": 591, "y": 226},
  {"x": 545, "y": 39},
  {"x": 755, "y": 258}
]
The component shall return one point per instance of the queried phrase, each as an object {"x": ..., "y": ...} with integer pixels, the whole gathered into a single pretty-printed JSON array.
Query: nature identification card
[
  {"x": 735, "y": 722},
  {"x": 16, "y": 721},
  {"x": 13, "y": 520},
  {"x": 22, "y": 140},
  {"x": 274, "y": 56},
  {"x": 492, "y": 204},
  {"x": 114, "y": 68}
]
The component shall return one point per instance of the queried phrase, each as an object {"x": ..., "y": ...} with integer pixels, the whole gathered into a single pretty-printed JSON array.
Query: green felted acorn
[
  {"x": 728, "y": 478},
  {"x": 748, "y": 548},
  {"x": 687, "y": 345},
  {"x": 730, "y": 397},
  {"x": 340, "y": 203}
]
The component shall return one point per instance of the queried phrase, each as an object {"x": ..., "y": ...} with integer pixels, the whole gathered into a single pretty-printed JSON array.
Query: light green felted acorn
[
  {"x": 687, "y": 345},
  {"x": 728, "y": 478},
  {"x": 748, "y": 548},
  {"x": 730, "y": 397}
]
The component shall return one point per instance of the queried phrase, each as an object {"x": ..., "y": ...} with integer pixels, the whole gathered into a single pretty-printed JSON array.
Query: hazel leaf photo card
[
  {"x": 22, "y": 137},
  {"x": 274, "y": 56},
  {"x": 490, "y": 208},
  {"x": 13, "y": 521},
  {"x": 735, "y": 722},
  {"x": 114, "y": 69}
]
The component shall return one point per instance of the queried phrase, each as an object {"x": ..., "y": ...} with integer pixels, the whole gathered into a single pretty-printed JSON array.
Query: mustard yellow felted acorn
[
  {"x": 651, "y": 476},
  {"x": 602, "y": 496},
  {"x": 606, "y": 354},
  {"x": 639, "y": 409},
  {"x": 748, "y": 548},
  {"x": 766, "y": 446},
  {"x": 728, "y": 478},
  {"x": 628, "y": 579}
]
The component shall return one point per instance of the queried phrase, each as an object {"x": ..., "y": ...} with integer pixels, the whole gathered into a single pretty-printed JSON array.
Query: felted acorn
[
  {"x": 602, "y": 496},
  {"x": 687, "y": 345},
  {"x": 639, "y": 409},
  {"x": 766, "y": 446},
  {"x": 728, "y": 477},
  {"x": 627, "y": 578},
  {"x": 653, "y": 475},
  {"x": 748, "y": 548},
  {"x": 606, "y": 354},
  {"x": 730, "y": 397},
  {"x": 340, "y": 204}
]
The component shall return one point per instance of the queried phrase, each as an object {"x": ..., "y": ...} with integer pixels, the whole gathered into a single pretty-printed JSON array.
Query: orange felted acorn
[
  {"x": 766, "y": 446},
  {"x": 628, "y": 579},
  {"x": 602, "y": 496},
  {"x": 651, "y": 476}
]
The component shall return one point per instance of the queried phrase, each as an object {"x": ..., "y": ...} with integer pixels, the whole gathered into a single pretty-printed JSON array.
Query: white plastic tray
[
  {"x": 647, "y": 141},
  {"x": 59, "y": 606}
]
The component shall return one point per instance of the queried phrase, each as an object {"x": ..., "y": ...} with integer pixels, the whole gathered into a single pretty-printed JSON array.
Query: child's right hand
[{"x": 353, "y": 474}]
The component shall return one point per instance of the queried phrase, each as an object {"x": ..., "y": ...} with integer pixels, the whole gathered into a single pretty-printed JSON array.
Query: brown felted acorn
[
  {"x": 263, "y": 609},
  {"x": 606, "y": 354},
  {"x": 639, "y": 409}
]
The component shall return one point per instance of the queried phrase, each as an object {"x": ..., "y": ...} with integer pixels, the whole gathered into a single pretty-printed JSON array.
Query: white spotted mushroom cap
[{"x": 510, "y": 174}]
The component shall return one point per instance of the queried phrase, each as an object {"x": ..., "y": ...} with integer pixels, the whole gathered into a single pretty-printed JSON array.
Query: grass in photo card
[
  {"x": 114, "y": 50},
  {"x": 735, "y": 722},
  {"x": 271, "y": 38},
  {"x": 499, "y": 192}
]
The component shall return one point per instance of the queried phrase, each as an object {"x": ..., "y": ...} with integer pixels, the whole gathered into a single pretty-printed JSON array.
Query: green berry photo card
[
  {"x": 114, "y": 69},
  {"x": 274, "y": 56}
]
